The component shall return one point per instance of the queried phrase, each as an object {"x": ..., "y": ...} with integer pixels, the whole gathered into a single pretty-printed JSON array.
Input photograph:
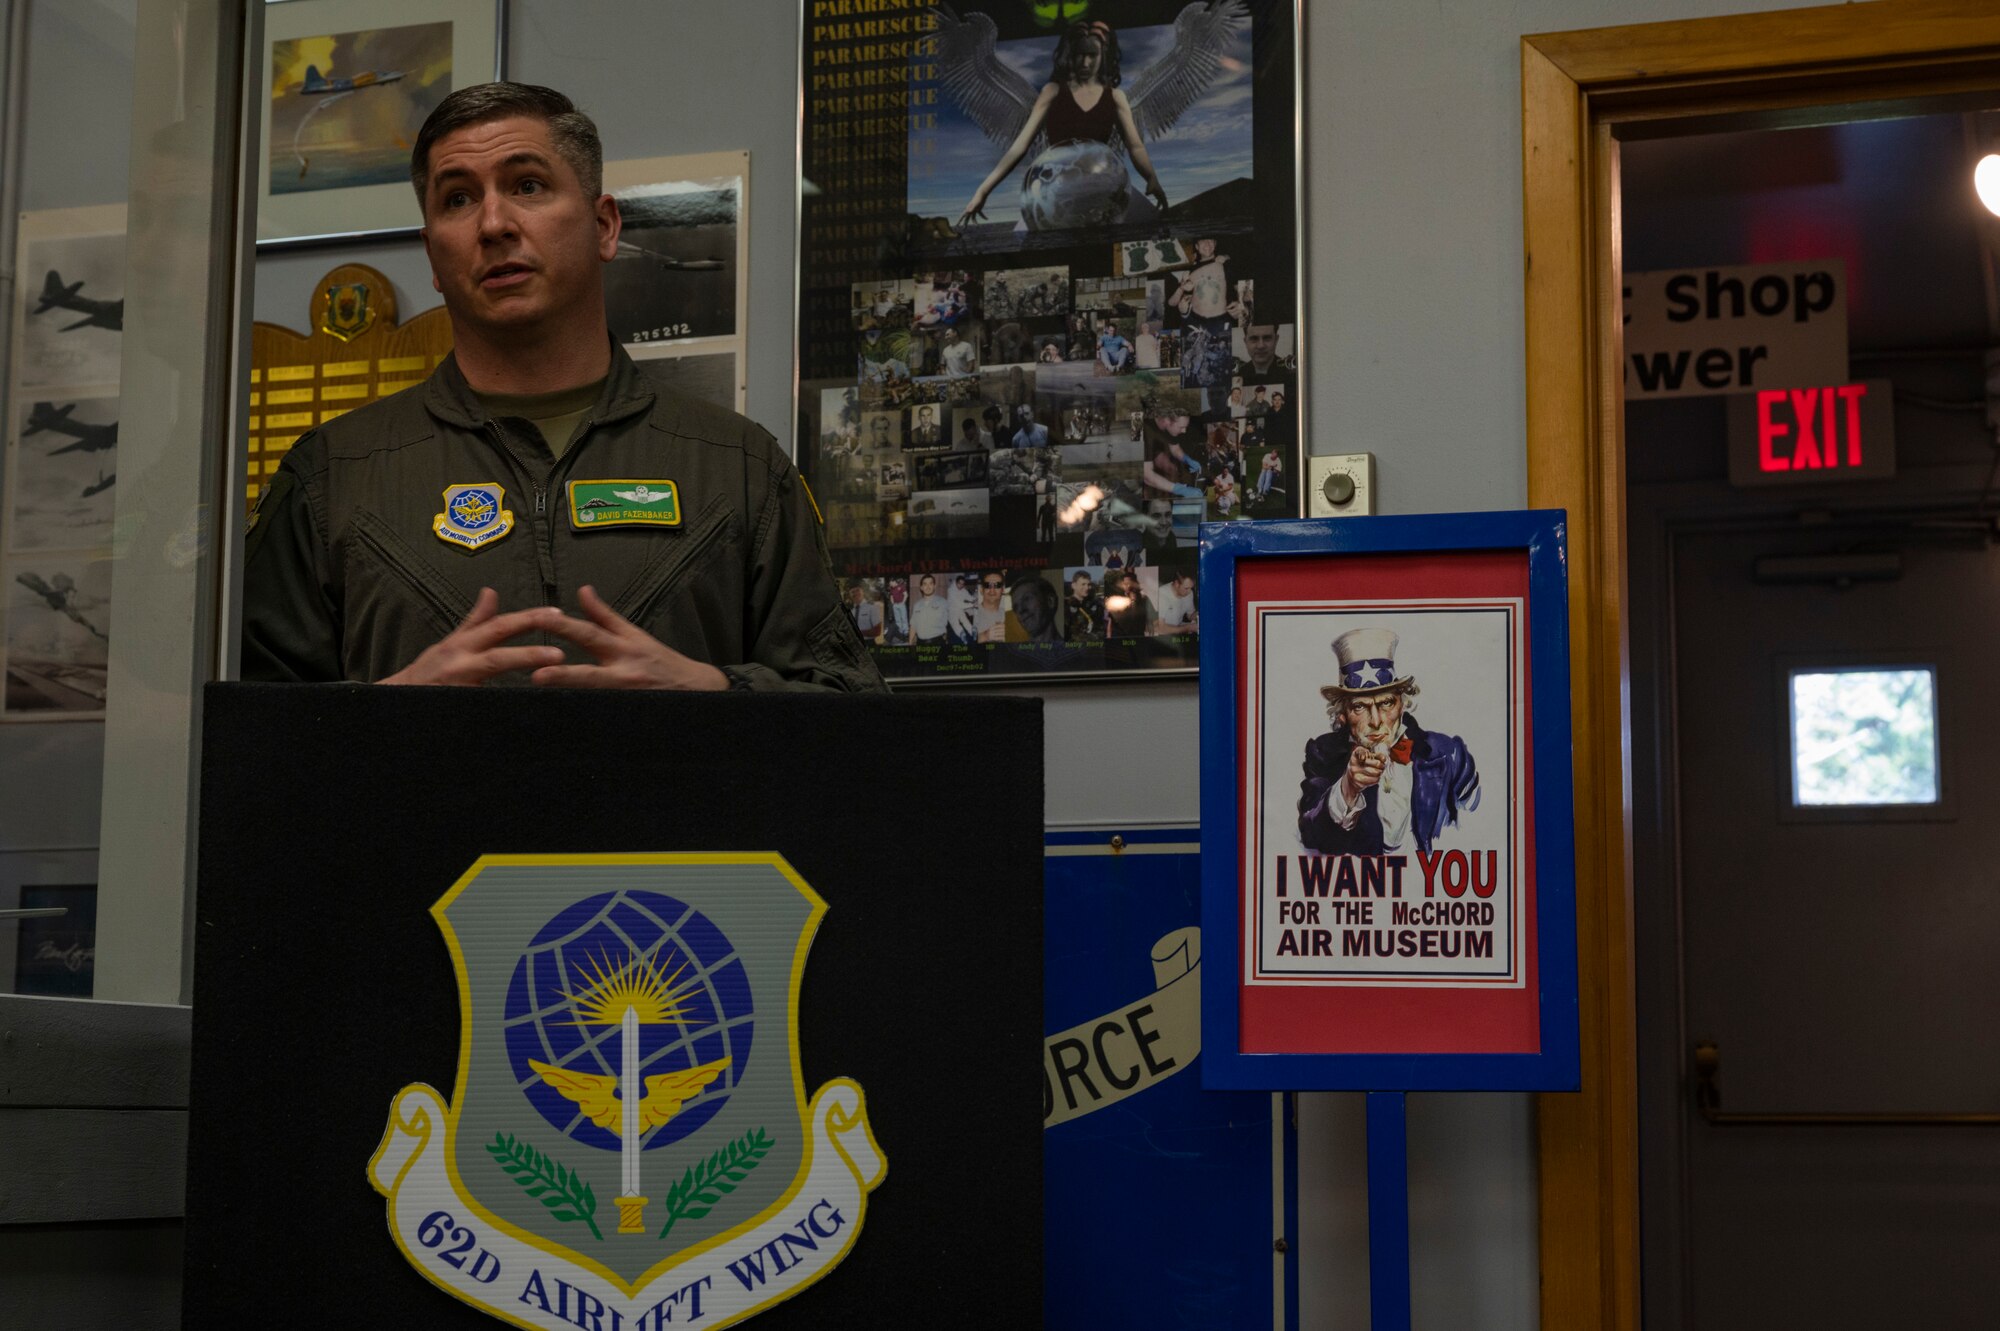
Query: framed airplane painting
[
  {"x": 347, "y": 85},
  {"x": 1387, "y": 837}
]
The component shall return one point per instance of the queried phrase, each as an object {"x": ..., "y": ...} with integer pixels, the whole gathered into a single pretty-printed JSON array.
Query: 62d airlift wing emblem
[{"x": 629, "y": 1145}]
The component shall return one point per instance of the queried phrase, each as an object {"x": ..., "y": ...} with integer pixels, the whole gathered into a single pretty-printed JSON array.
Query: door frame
[{"x": 1581, "y": 92}]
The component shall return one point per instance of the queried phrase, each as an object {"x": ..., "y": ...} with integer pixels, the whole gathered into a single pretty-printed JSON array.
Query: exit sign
[{"x": 1810, "y": 436}]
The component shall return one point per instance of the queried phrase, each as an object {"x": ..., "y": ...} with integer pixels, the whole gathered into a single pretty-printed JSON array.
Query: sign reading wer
[
  {"x": 629, "y": 1143},
  {"x": 1691, "y": 332}
]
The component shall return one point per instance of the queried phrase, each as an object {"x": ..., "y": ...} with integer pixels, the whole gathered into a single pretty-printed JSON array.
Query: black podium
[{"x": 334, "y": 816}]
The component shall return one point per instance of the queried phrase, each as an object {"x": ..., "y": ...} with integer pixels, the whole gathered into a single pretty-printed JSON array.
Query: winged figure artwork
[{"x": 1082, "y": 134}]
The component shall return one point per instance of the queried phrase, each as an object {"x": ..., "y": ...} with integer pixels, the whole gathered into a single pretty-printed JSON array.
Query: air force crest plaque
[{"x": 629, "y": 1145}]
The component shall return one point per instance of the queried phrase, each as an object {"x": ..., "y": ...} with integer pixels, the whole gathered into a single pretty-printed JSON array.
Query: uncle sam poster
[{"x": 1384, "y": 844}]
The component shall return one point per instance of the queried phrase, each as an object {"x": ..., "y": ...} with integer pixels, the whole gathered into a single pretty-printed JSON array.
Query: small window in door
[{"x": 1864, "y": 737}]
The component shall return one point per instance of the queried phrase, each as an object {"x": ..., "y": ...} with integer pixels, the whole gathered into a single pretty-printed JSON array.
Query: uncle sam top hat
[{"x": 1367, "y": 664}]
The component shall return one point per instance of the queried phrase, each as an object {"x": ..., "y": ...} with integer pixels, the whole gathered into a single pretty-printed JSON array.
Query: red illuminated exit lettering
[{"x": 1806, "y": 429}]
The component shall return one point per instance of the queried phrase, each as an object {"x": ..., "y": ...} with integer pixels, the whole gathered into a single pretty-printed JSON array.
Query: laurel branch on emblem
[
  {"x": 567, "y": 1196},
  {"x": 703, "y": 1185}
]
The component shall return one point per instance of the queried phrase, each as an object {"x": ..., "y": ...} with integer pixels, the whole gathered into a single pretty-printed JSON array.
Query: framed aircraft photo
[
  {"x": 347, "y": 85},
  {"x": 1387, "y": 855},
  {"x": 58, "y": 484}
]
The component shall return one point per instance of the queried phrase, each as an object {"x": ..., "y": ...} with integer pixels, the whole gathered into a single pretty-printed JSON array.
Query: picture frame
[
  {"x": 679, "y": 290},
  {"x": 335, "y": 164},
  {"x": 1138, "y": 364},
  {"x": 52, "y": 956},
  {"x": 58, "y": 496},
  {"x": 1388, "y": 845}
]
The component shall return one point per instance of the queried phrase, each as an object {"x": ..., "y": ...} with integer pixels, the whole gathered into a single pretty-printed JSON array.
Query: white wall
[
  {"x": 1414, "y": 258},
  {"x": 1415, "y": 354}
]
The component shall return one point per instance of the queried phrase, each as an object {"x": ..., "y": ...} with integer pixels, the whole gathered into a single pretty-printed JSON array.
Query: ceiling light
[{"x": 1986, "y": 179}]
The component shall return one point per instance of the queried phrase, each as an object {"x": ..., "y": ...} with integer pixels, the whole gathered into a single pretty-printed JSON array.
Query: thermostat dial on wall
[{"x": 1340, "y": 485}]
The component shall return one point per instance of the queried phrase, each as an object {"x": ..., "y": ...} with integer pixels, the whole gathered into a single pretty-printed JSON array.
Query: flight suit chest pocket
[
  {"x": 387, "y": 577},
  {"x": 677, "y": 558}
]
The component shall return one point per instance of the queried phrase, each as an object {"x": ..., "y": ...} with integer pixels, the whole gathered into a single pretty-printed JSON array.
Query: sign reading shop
[{"x": 1692, "y": 332}]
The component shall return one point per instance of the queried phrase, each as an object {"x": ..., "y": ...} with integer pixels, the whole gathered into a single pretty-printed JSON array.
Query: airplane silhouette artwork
[
  {"x": 89, "y": 438},
  {"x": 104, "y": 483},
  {"x": 627, "y": 250},
  {"x": 318, "y": 84},
  {"x": 330, "y": 91},
  {"x": 97, "y": 313},
  {"x": 61, "y": 595}
]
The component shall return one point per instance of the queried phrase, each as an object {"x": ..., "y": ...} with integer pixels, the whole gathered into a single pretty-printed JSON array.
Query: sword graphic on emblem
[{"x": 630, "y": 1104}]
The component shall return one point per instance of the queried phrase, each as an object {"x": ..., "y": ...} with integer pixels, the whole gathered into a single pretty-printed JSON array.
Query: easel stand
[{"x": 1388, "y": 1212}]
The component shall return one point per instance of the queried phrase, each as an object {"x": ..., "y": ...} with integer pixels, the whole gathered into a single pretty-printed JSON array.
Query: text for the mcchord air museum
[{"x": 1431, "y": 916}]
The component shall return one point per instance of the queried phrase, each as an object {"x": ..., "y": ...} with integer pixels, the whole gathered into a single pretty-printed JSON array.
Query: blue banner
[{"x": 1164, "y": 1204}]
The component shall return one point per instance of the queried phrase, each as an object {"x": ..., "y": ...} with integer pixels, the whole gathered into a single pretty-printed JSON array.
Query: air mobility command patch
[
  {"x": 473, "y": 515},
  {"x": 624, "y": 504},
  {"x": 629, "y": 1142}
]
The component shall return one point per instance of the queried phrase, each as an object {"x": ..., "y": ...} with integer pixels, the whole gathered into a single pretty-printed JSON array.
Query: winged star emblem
[{"x": 644, "y": 494}]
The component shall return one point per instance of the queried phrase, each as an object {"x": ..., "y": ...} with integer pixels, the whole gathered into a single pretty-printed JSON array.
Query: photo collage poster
[
  {"x": 1048, "y": 321},
  {"x": 58, "y": 490},
  {"x": 677, "y": 294}
]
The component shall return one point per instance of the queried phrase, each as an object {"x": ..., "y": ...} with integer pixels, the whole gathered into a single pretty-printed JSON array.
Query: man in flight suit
[{"x": 537, "y": 510}]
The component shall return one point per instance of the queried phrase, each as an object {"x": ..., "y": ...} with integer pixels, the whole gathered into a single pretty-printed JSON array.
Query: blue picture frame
[{"x": 1223, "y": 547}]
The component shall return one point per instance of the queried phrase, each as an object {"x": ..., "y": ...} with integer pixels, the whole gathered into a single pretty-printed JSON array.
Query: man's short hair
[{"x": 573, "y": 132}]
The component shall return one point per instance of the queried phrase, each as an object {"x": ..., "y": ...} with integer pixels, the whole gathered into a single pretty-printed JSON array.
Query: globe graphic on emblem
[
  {"x": 474, "y": 508},
  {"x": 1076, "y": 185},
  {"x": 620, "y": 952}
]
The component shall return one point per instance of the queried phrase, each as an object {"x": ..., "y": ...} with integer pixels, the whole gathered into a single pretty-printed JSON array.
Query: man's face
[
  {"x": 990, "y": 588},
  {"x": 1080, "y": 585},
  {"x": 879, "y": 428},
  {"x": 1174, "y": 425},
  {"x": 514, "y": 243},
  {"x": 1373, "y": 717},
  {"x": 1034, "y": 606},
  {"x": 924, "y": 415},
  {"x": 1204, "y": 249},
  {"x": 1262, "y": 340},
  {"x": 927, "y": 585}
]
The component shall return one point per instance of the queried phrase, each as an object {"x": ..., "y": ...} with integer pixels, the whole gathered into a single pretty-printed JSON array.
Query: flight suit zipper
[{"x": 560, "y": 465}]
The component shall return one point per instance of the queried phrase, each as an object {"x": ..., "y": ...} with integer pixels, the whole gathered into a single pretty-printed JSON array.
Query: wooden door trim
[{"x": 1576, "y": 89}]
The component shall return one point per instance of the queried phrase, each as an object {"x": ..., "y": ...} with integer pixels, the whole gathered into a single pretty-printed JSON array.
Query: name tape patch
[{"x": 624, "y": 503}]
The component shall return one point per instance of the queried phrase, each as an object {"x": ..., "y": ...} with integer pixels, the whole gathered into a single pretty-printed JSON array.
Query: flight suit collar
[{"x": 626, "y": 393}]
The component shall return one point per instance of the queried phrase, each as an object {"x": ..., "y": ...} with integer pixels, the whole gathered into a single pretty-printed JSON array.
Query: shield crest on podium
[{"x": 629, "y": 1129}]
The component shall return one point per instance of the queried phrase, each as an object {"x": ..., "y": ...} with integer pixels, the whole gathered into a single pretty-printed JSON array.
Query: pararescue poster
[{"x": 1048, "y": 323}]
